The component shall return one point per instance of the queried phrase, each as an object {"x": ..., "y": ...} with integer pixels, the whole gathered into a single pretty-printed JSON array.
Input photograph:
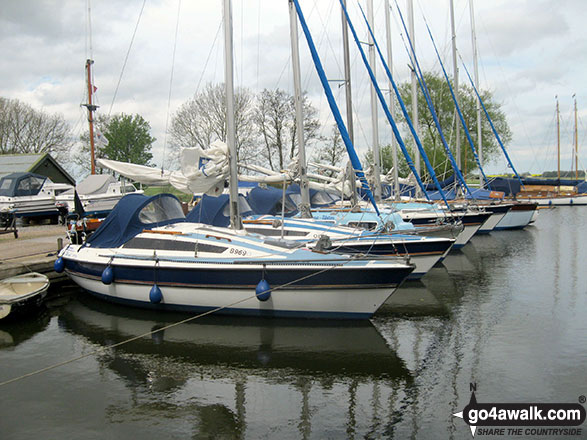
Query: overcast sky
[{"x": 529, "y": 52}]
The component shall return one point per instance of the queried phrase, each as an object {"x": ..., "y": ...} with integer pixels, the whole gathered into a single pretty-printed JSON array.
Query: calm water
[{"x": 508, "y": 313}]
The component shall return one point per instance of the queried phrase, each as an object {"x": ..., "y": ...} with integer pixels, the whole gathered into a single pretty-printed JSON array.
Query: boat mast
[
  {"x": 391, "y": 102},
  {"x": 456, "y": 82},
  {"x": 349, "y": 100},
  {"x": 374, "y": 122},
  {"x": 91, "y": 109},
  {"x": 576, "y": 143},
  {"x": 414, "y": 83},
  {"x": 295, "y": 56},
  {"x": 476, "y": 75},
  {"x": 235, "y": 220},
  {"x": 558, "y": 142}
]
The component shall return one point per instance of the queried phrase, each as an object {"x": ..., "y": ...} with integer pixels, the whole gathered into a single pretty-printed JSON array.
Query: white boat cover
[{"x": 202, "y": 171}]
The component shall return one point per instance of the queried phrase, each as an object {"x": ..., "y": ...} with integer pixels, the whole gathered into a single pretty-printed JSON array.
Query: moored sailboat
[{"x": 145, "y": 254}]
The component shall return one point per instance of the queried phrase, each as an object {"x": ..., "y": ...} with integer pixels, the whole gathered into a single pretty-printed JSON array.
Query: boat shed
[{"x": 41, "y": 163}]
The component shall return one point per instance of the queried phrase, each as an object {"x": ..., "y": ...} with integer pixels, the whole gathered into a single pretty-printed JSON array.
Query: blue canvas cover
[
  {"x": 582, "y": 187},
  {"x": 21, "y": 184},
  {"x": 508, "y": 186},
  {"x": 550, "y": 182},
  {"x": 443, "y": 184},
  {"x": 215, "y": 210},
  {"x": 267, "y": 201},
  {"x": 132, "y": 214}
]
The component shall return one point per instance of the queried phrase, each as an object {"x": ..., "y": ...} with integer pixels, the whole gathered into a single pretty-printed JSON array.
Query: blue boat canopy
[
  {"x": 268, "y": 201},
  {"x": 132, "y": 214},
  {"x": 21, "y": 184},
  {"x": 215, "y": 211}
]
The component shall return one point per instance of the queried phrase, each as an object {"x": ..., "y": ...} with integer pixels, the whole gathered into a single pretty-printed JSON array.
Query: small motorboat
[{"x": 22, "y": 293}]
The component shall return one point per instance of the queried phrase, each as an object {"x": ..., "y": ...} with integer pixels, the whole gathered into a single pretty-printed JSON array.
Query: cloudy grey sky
[{"x": 529, "y": 52}]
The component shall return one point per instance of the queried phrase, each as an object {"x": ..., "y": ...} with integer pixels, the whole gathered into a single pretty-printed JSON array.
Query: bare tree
[
  {"x": 202, "y": 120},
  {"x": 24, "y": 129},
  {"x": 332, "y": 153},
  {"x": 276, "y": 122}
]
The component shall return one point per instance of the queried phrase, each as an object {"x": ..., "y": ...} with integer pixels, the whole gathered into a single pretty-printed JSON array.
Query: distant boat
[
  {"x": 29, "y": 195},
  {"x": 98, "y": 194},
  {"x": 22, "y": 293},
  {"x": 557, "y": 192}
]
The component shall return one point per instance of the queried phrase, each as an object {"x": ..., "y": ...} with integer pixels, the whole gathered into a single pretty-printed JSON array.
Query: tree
[
  {"x": 275, "y": 117},
  {"x": 332, "y": 153},
  {"x": 444, "y": 108},
  {"x": 24, "y": 129},
  {"x": 128, "y": 140},
  {"x": 202, "y": 120}
]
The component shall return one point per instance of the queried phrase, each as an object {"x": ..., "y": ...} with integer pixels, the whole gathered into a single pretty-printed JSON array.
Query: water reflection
[
  {"x": 234, "y": 358},
  {"x": 13, "y": 333}
]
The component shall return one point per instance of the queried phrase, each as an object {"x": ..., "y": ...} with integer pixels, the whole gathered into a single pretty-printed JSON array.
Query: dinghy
[{"x": 22, "y": 293}]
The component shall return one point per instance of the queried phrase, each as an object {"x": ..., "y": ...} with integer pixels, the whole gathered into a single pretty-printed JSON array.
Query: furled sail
[{"x": 202, "y": 171}]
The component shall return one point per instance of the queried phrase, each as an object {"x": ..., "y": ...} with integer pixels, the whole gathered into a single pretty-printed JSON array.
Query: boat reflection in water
[{"x": 225, "y": 369}]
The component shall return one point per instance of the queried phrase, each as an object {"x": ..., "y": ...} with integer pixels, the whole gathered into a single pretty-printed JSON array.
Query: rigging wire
[
  {"x": 126, "y": 57},
  {"x": 170, "y": 87}
]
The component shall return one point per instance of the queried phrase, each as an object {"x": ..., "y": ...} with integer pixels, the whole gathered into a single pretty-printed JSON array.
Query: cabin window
[
  {"x": 276, "y": 232},
  {"x": 160, "y": 210},
  {"x": 324, "y": 198},
  {"x": 363, "y": 225},
  {"x": 171, "y": 245}
]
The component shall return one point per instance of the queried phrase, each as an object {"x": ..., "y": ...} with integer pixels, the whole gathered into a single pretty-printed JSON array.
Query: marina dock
[{"x": 35, "y": 250}]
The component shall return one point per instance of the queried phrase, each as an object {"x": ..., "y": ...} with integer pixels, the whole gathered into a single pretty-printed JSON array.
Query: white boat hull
[{"x": 283, "y": 302}]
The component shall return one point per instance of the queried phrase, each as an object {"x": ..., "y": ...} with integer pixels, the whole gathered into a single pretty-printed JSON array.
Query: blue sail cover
[
  {"x": 508, "y": 186},
  {"x": 215, "y": 211},
  {"x": 21, "y": 184},
  {"x": 267, "y": 201},
  {"x": 132, "y": 214}
]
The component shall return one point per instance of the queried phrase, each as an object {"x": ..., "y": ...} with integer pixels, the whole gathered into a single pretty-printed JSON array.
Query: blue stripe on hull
[{"x": 231, "y": 277}]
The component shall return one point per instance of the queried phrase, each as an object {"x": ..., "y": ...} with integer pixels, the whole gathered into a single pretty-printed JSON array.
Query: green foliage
[
  {"x": 129, "y": 140},
  {"x": 168, "y": 189},
  {"x": 445, "y": 110}
]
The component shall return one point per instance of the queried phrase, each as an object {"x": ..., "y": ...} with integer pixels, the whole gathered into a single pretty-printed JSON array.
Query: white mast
[
  {"x": 235, "y": 220},
  {"x": 295, "y": 56},
  {"x": 456, "y": 83},
  {"x": 349, "y": 100},
  {"x": 391, "y": 101},
  {"x": 576, "y": 143},
  {"x": 374, "y": 122},
  {"x": 558, "y": 141},
  {"x": 476, "y": 74},
  {"x": 414, "y": 86}
]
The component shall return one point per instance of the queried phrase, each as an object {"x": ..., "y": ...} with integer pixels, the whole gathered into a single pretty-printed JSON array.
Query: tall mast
[
  {"x": 391, "y": 101},
  {"x": 576, "y": 143},
  {"x": 235, "y": 220},
  {"x": 91, "y": 108},
  {"x": 558, "y": 141},
  {"x": 295, "y": 56},
  {"x": 456, "y": 82},
  {"x": 476, "y": 75},
  {"x": 374, "y": 122},
  {"x": 414, "y": 83},
  {"x": 349, "y": 98}
]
